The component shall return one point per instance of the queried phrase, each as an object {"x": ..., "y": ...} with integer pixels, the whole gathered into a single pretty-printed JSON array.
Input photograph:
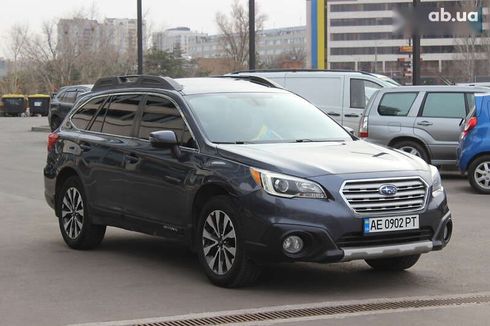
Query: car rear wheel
[
  {"x": 394, "y": 263},
  {"x": 479, "y": 174},
  {"x": 75, "y": 223},
  {"x": 220, "y": 247},
  {"x": 413, "y": 148}
]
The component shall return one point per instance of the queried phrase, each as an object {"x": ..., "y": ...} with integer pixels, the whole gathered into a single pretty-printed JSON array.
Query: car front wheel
[
  {"x": 220, "y": 246},
  {"x": 75, "y": 223}
]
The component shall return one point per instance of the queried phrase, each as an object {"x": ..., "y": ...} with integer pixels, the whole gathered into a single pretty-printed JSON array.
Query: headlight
[
  {"x": 436, "y": 180},
  {"x": 286, "y": 186}
]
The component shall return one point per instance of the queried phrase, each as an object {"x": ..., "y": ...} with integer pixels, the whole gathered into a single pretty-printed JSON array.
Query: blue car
[{"x": 474, "y": 145}]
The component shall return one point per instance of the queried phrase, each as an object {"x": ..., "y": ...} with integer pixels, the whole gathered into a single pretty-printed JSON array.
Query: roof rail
[
  {"x": 253, "y": 79},
  {"x": 300, "y": 70},
  {"x": 136, "y": 81}
]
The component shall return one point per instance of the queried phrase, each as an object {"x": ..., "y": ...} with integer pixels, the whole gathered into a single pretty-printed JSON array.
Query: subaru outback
[{"x": 243, "y": 172}]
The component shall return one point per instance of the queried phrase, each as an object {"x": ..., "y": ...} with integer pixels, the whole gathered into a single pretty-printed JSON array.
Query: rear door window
[
  {"x": 444, "y": 105},
  {"x": 121, "y": 114},
  {"x": 83, "y": 116},
  {"x": 396, "y": 104},
  {"x": 161, "y": 114}
]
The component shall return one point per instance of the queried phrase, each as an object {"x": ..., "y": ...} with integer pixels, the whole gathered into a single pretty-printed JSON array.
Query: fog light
[
  {"x": 292, "y": 244},
  {"x": 446, "y": 236}
]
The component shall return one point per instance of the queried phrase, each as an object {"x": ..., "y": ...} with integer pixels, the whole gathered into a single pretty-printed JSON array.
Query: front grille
[
  {"x": 360, "y": 240},
  {"x": 364, "y": 197}
]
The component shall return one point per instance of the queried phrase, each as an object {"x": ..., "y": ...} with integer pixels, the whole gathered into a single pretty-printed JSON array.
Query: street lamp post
[
  {"x": 416, "y": 48},
  {"x": 140, "y": 37},
  {"x": 251, "y": 34}
]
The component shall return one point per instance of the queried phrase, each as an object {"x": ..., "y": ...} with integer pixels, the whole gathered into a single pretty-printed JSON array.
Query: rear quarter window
[
  {"x": 396, "y": 104},
  {"x": 82, "y": 117}
]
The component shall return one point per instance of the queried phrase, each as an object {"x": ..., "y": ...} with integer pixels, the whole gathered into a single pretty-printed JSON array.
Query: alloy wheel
[
  {"x": 482, "y": 175},
  {"x": 72, "y": 212},
  {"x": 411, "y": 150},
  {"x": 219, "y": 242}
]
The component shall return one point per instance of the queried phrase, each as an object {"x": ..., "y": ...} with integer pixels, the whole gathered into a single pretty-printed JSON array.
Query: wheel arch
[
  {"x": 474, "y": 158},
  {"x": 204, "y": 193}
]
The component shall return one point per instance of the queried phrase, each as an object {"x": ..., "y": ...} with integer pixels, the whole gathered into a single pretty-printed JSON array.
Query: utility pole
[
  {"x": 140, "y": 37},
  {"x": 416, "y": 48},
  {"x": 251, "y": 34}
]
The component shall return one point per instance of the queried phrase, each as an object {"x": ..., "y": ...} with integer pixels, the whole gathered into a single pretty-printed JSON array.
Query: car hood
[{"x": 325, "y": 158}]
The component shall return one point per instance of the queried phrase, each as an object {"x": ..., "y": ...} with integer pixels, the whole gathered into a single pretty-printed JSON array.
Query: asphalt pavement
[{"x": 133, "y": 276}]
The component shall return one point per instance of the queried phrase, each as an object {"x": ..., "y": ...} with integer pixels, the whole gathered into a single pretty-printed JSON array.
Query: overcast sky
[{"x": 197, "y": 14}]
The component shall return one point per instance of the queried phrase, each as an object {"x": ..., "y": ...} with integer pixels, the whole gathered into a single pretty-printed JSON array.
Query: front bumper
[{"x": 325, "y": 225}]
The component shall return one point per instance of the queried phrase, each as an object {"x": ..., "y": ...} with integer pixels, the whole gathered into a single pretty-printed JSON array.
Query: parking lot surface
[{"x": 133, "y": 276}]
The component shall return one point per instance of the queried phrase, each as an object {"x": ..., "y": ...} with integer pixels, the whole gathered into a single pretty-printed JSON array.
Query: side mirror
[{"x": 166, "y": 139}]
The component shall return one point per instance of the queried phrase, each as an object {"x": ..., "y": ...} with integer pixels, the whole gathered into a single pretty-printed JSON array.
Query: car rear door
[
  {"x": 438, "y": 123},
  {"x": 156, "y": 178},
  {"x": 358, "y": 92},
  {"x": 112, "y": 133}
]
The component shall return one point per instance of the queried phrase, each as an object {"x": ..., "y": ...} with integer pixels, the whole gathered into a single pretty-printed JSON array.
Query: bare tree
[
  {"x": 16, "y": 44},
  {"x": 234, "y": 31}
]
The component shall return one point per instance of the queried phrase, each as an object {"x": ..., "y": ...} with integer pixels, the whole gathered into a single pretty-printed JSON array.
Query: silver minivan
[
  {"x": 421, "y": 120},
  {"x": 342, "y": 95}
]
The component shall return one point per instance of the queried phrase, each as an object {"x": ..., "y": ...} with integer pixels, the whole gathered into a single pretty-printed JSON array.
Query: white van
[{"x": 341, "y": 94}]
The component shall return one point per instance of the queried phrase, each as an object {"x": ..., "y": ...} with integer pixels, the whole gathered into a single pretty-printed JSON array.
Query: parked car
[
  {"x": 63, "y": 102},
  {"x": 341, "y": 94},
  {"x": 243, "y": 173},
  {"x": 14, "y": 104},
  {"x": 420, "y": 120},
  {"x": 39, "y": 104},
  {"x": 474, "y": 146}
]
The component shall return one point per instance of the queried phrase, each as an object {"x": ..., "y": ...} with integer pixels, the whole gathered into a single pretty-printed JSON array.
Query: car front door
[
  {"x": 438, "y": 123},
  {"x": 157, "y": 179},
  {"x": 356, "y": 98}
]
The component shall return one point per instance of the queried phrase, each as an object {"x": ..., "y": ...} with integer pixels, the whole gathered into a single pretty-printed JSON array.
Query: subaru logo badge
[{"x": 388, "y": 190}]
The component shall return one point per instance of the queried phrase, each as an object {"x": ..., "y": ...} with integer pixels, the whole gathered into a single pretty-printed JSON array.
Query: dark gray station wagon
[{"x": 242, "y": 172}]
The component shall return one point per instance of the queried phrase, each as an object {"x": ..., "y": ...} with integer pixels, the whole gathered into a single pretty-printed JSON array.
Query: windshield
[
  {"x": 388, "y": 81},
  {"x": 263, "y": 118}
]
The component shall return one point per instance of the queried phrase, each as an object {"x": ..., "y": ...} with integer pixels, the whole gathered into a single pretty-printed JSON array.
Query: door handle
[
  {"x": 425, "y": 123},
  {"x": 85, "y": 147},
  {"x": 334, "y": 114},
  {"x": 351, "y": 115},
  {"x": 131, "y": 158}
]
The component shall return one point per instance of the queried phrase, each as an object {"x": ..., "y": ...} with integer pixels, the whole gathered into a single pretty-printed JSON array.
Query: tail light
[
  {"x": 52, "y": 139},
  {"x": 470, "y": 124},
  {"x": 363, "y": 127}
]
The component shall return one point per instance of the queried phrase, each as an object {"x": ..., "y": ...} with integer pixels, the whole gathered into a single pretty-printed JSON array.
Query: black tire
[
  {"x": 394, "y": 263},
  {"x": 54, "y": 123},
  {"x": 414, "y": 148},
  {"x": 482, "y": 164},
  {"x": 89, "y": 235},
  {"x": 243, "y": 271}
]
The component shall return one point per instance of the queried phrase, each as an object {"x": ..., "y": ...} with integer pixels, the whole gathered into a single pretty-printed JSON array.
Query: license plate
[{"x": 389, "y": 224}]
